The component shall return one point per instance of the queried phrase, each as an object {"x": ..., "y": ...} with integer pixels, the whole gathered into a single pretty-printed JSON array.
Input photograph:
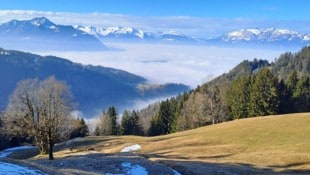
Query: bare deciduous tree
[{"x": 40, "y": 110}]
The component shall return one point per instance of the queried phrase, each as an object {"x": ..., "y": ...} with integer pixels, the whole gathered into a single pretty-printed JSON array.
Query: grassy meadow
[{"x": 278, "y": 143}]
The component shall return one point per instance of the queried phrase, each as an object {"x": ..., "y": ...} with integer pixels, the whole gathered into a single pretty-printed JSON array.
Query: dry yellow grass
[
  {"x": 278, "y": 143},
  {"x": 281, "y": 142}
]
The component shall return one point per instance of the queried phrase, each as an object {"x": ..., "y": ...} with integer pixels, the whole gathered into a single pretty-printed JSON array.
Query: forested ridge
[{"x": 252, "y": 88}]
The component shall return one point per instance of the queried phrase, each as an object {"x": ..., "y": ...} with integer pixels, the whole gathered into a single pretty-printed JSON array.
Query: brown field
[{"x": 261, "y": 145}]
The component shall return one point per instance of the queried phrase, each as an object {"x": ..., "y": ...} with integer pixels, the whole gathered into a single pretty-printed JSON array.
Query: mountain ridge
[
  {"x": 42, "y": 34},
  {"x": 94, "y": 87}
]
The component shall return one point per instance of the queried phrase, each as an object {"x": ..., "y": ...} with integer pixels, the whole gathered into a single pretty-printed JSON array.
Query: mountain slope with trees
[
  {"x": 252, "y": 88},
  {"x": 94, "y": 87}
]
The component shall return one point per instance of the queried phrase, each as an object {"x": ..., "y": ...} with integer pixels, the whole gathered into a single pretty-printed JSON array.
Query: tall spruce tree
[
  {"x": 238, "y": 97},
  {"x": 264, "y": 99},
  {"x": 112, "y": 114},
  {"x": 130, "y": 123},
  {"x": 301, "y": 95}
]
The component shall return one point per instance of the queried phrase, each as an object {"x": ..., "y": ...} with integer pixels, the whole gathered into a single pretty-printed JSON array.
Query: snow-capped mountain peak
[
  {"x": 41, "y": 21},
  {"x": 123, "y": 31},
  {"x": 264, "y": 35},
  {"x": 112, "y": 32},
  {"x": 43, "y": 34},
  {"x": 133, "y": 34}
]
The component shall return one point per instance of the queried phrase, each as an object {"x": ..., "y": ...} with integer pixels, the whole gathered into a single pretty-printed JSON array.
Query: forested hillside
[
  {"x": 93, "y": 87},
  {"x": 252, "y": 88}
]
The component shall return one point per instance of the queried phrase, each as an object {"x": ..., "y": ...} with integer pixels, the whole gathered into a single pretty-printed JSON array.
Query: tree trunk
[{"x": 50, "y": 153}]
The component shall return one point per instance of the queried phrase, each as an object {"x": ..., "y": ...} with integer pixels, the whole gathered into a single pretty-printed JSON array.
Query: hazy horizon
[{"x": 166, "y": 63}]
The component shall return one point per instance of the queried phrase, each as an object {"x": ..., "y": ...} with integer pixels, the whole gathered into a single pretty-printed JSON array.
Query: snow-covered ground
[
  {"x": 132, "y": 169},
  {"x": 11, "y": 169},
  {"x": 134, "y": 147},
  {"x": 8, "y": 151},
  {"x": 136, "y": 169}
]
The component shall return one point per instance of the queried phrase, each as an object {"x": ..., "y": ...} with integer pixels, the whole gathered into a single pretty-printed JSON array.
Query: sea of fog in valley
[{"x": 162, "y": 63}]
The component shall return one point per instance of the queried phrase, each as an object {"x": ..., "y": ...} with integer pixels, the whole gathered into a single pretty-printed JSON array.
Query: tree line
[{"x": 257, "y": 94}]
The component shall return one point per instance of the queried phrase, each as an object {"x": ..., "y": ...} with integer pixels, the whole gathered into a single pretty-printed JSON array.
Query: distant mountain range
[
  {"x": 94, "y": 87},
  {"x": 270, "y": 36},
  {"x": 132, "y": 34},
  {"x": 243, "y": 37},
  {"x": 42, "y": 34}
]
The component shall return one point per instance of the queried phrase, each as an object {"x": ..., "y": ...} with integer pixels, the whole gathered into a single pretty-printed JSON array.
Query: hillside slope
[
  {"x": 278, "y": 143},
  {"x": 281, "y": 141},
  {"x": 261, "y": 145}
]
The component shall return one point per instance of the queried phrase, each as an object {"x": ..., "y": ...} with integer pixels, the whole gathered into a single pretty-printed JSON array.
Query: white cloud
[{"x": 187, "y": 64}]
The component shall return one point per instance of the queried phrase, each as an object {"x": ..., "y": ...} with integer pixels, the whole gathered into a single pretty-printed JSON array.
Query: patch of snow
[
  {"x": 175, "y": 172},
  {"x": 8, "y": 151},
  {"x": 116, "y": 30},
  {"x": 255, "y": 31},
  {"x": 11, "y": 169},
  {"x": 4, "y": 53},
  {"x": 131, "y": 169},
  {"x": 306, "y": 38},
  {"x": 52, "y": 27},
  {"x": 285, "y": 31},
  {"x": 134, "y": 169},
  {"x": 35, "y": 23},
  {"x": 140, "y": 34},
  {"x": 235, "y": 34},
  {"x": 135, "y": 147},
  {"x": 170, "y": 32}
]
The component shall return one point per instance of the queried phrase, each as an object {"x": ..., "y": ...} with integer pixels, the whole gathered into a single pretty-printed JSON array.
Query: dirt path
[{"x": 98, "y": 163}]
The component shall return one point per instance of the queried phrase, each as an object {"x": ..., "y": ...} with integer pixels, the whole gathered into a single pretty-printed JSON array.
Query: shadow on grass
[
  {"x": 201, "y": 168},
  {"x": 187, "y": 167}
]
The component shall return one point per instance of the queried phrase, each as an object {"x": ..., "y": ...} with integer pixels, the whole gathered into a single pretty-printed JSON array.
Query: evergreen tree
[
  {"x": 301, "y": 95},
  {"x": 155, "y": 128},
  {"x": 83, "y": 128},
  {"x": 136, "y": 128},
  {"x": 112, "y": 115},
  {"x": 165, "y": 121},
  {"x": 130, "y": 123},
  {"x": 264, "y": 99},
  {"x": 285, "y": 98},
  {"x": 125, "y": 123},
  {"x": 238, "y": 97}
]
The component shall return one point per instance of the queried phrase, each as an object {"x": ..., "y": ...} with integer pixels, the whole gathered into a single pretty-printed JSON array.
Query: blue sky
[
  {"x": 253, "y": 9},
  {"x": 197, "y": 18}
]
